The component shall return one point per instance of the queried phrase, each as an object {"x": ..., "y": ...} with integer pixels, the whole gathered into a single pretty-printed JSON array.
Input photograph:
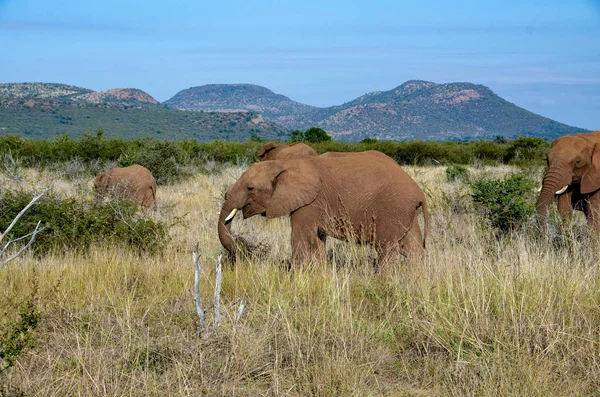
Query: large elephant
[
  {"x": 134, "y": 182},
  {"x": 364, "y": 196},
  {"x": 283, "y": 151},
  {"x": 574, "y": 176}
]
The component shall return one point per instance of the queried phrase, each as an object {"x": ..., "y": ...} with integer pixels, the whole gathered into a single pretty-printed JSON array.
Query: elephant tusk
[
  {"x": 564, "y": 189},
  {"x": 231, "y": 215},
  {"x": 539, "y": 189}
]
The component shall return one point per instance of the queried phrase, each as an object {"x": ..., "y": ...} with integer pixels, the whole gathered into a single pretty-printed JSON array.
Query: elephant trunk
[
  {"x": 224, "y": 228},
  {"x": 555, "y": 181}
]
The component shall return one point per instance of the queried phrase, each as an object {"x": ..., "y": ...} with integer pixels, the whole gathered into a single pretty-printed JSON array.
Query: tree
[
  {"x": 316, "y": 135},
  {"x": 297, "y": 136}
]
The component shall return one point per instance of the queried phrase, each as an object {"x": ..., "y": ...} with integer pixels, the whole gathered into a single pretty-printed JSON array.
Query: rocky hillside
[
  {"x": 40, "y": 110},
  {"x": 52, "y": 95},
  {"x": 247, "y": 97},
  {"x": 413, "y": 110}
]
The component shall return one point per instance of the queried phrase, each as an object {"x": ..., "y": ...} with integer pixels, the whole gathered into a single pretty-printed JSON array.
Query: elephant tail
[{"x": 425, "y": 220}]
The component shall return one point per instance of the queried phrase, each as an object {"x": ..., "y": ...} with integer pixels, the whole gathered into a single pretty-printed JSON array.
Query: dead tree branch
[
  {"x": 199, "y": 310},
  {"x": 209, "y": 330},
  {"x": 32, "y": 235}
]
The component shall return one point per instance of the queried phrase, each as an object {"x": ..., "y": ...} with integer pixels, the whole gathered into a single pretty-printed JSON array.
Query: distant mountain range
[
  {"x": 413, "y": 110},
  {"x": 41, "y": 110}
]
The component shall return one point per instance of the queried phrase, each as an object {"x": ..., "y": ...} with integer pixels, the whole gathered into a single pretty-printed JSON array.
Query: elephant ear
[
  {"x": 101, "y": 180},
  {"x": 591, "y": 179},
  {"x": 267, "y": 147},
  {"x": 296, "y": 186}
]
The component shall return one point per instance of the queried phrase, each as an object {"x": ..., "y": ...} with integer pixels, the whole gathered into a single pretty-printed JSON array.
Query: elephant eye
[{"x": 250, "y": 187}]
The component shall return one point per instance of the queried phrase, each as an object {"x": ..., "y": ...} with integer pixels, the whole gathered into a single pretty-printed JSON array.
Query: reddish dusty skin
[
  {"x": 573, "y": 161},
  {"x": 134, "y": 182},
  {"x": 283, "y": 151},
  {"x": 365, "y": 196}
]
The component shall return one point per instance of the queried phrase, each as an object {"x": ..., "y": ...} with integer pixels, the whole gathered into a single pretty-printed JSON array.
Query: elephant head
[
  {"x": 571, "y": 160},
  {"x": 270, "y": 188}
]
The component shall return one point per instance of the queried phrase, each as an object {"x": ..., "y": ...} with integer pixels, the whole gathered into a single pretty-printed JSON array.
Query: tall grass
[{"x": 483, "y": 315}]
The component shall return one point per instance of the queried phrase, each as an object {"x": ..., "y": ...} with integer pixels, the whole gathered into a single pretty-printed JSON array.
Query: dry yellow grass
[{"x": 481, "y": 316}]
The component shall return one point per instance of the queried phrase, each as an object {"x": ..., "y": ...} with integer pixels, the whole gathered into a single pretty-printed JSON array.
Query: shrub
[
  {"x": 316, "y": 135},
  {"x": 19, "y": 335},
  {"x": 74, "y": 224},
  {"x": 163, "y": 160},
  {"x": 457, "y": 172},
  {"x": 369, "y": 141},
  {"x": 505, "y": 203},
  {"x": 297, "y": 136}
]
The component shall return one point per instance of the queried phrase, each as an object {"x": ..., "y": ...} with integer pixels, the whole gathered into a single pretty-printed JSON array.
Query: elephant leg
[
  {"x": 411, "y": 244},
  {"x": 308, "y": 243},
  {"x": 591, "y": 210},
  {"x": 565, "y": 206}
]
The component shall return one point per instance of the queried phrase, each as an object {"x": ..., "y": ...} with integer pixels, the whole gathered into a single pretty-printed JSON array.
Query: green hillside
[{"x": 45, "y": 110}]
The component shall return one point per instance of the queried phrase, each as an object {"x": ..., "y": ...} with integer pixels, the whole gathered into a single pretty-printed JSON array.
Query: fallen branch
[
  {"x": 20, "y": 214},
  {"x": 32, "y": 235}
]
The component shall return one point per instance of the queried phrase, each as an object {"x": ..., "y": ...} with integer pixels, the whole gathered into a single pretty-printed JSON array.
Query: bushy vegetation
[
  {"x": 506, "y": 203},
  {"x": 311, "y": 135},
  {"x": 74, "y": 224},
  {"x": 457, "y": 172},
  {"x": 160, "y": 156},
  {"x": 136, "y": 123},
  {"x": 16, "y": 336}
]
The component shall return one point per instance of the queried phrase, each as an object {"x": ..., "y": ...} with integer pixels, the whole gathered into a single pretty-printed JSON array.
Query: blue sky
[{"x": 541, "y": 55}]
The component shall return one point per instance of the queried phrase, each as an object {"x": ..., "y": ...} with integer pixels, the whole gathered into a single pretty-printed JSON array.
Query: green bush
[
  {"x": 74, "y": 224},
  {"x": 159, "y": 155},
  {"x": 457, "y": 172},
  {"x": 163, "y": 159},
  {"x": 505, "y": 203},
  {"x": 316, "y": 135},
  {"x": 19, "y": 335}
]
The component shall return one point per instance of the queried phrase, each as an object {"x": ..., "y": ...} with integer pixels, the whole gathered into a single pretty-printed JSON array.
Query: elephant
[
  {"x": 134, "y": 182},
  {"x": 283, "y": 151},
  {"x": 365, "y": 196},
  {"x": 573, "y": 175}
]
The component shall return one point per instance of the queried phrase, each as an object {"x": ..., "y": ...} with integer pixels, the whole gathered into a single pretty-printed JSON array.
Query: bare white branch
[
  {"x": 20, "y": 214},
  {"x": 239, "y": 313},
  {"x": 209, "y": 330},
  {"x": 32, "y": 234},
  {"x": 199, "y": 310},
  {"x": 217, "y": 297}
]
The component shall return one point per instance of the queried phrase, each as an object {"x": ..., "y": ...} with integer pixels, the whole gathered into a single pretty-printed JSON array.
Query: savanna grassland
[{"x": 484, "y": 315}]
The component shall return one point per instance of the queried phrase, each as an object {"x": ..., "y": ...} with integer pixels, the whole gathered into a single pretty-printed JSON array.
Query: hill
[
  {"x": 40, "y": 110},
  {"x": 413, "y": 110}
]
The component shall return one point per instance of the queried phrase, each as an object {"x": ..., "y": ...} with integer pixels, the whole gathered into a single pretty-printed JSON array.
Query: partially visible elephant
[
  {"x": 364, "y": 196},
  {"x": 574, "y": 176},
  {"x": 134, "y": 182},
  {"x": 283, "y": 151}
]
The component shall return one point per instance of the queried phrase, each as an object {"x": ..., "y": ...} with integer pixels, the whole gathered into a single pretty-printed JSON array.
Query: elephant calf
[
  {"x": 134, "y": 182},
  {"x": 363, "y": 196},
  {"x": 272, "y": 151}
]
